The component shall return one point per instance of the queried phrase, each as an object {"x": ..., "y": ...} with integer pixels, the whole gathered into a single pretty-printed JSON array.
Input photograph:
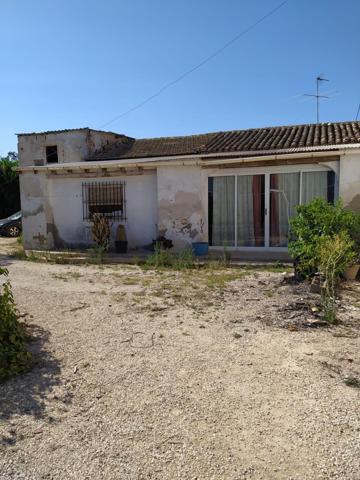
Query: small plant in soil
[
  {"x": 334, "y": 254},
  {"x": 100, "y": 231},
  {"x": 352, "y": 382}
]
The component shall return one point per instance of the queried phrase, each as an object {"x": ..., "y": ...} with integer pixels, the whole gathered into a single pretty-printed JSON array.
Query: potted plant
[
  {"x": 162, "y": 243},
  {"x": 121, "y": 240},
  {"x": 352, "y": 270}
]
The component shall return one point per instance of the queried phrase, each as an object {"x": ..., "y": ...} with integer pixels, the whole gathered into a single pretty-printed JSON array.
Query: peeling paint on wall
[{"x": 181, "y": 207}]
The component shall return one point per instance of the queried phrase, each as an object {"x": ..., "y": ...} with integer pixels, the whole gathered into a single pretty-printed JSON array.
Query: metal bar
[
  {"x": 236, "y": 211},
  {"x": 267, "y": 210}
]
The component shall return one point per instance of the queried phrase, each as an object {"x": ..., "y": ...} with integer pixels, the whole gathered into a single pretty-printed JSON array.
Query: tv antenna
[{"x": 317, "y": 96}]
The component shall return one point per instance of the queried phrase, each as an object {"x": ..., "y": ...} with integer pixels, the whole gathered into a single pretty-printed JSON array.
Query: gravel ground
[{"x": 179, "y": 375}]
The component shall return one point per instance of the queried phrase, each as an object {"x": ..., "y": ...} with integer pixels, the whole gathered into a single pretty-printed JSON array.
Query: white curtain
[
  {"x": 284, "y": 198},
  {"x": 223, "y": 229},
  {"x": 314, "y": 185},
  {"x": 245, "y": 211}
]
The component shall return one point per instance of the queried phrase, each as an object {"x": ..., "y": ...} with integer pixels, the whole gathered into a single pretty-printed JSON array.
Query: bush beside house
[
  {"x": 325, "y": 239},
  {"x": 14, "y": 357}
]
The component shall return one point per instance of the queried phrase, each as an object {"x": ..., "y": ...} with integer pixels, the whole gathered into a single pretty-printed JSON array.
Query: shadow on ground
[{"x": 26, "y": 394}]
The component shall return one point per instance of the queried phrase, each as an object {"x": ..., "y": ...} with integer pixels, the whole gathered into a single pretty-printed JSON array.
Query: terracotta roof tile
[{"x": 291, "y": 137}]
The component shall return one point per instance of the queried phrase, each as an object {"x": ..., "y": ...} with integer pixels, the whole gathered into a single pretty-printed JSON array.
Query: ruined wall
[
  {"x": 349, "y": 182},
  {"x": 181, "y": 205},
  {"x": 73, "y": 146}
]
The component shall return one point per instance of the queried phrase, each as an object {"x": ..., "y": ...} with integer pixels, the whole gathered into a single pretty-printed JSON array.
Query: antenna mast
[{"x": 317, "y": 96}]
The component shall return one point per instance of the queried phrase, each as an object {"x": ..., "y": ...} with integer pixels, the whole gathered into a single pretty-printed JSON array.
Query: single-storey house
[{"x": 236, "y": 189}]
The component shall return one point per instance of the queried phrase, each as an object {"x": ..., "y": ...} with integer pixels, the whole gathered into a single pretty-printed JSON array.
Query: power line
[{"x": 199, "y": 65}]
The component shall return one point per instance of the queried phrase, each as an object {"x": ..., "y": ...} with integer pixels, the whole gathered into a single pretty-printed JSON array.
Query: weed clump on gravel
[{"x": 352, "y": 382}]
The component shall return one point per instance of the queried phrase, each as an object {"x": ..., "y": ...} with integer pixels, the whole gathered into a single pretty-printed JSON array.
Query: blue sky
[{"x": 68, "y": 64}]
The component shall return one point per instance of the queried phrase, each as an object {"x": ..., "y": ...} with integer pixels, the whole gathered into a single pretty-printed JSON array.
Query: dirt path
[{"x": 144, "y": 375}]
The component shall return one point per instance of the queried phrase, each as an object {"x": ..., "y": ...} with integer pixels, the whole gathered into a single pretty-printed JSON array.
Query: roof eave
[{"x": 178, "y": 161}]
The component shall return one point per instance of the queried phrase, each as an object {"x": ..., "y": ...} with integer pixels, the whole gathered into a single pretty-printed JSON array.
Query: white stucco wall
[
  {"x": 65, "y": 200},
  {"x": 182, "y": 205},
  {"x": 349, "y": 180},
  {"x": 33, "y": 191}
]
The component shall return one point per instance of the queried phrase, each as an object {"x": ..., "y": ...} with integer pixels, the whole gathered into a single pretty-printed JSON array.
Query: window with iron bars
[{"x": 105, "y": 198}]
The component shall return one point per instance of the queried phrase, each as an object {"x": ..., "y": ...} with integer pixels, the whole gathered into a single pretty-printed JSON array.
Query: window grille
[{"x": 106, "y": 198}]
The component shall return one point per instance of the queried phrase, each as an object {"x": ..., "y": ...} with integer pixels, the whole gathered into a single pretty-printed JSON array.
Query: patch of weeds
[
  {"x": 139, "y": 293},
  {"x": 130, "y": 281},
  {"x": 119, "y": 297},
  {"x": 97, "y": 254},
  {"x": 66, "y": 276},
  {"x": 19, "y": 254},
  {"x": 269, "y": 293},
  {"x": 277, "y": 267},
  {"x": 137, "y": 260},
  {"x": 184, "y": 260},
  {"x": 146, "y": 282},
  {"x": 352, "y": 382},
  {"x": 159, "y": 259},
  {"x": 60, "y": 277},
  {"x": 220, "y": 279},
  {"x": 75, "y": 275}
]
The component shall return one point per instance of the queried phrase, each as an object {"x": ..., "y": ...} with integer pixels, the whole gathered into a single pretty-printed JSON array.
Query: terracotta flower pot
[{"x": 351, "y": 272}]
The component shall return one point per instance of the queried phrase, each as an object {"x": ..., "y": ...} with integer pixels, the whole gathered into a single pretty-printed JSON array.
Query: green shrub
[
  {"x": 313, "y": 221},
  {"x": 334, "y": 254},
  {"x": 14, "y": 358}
]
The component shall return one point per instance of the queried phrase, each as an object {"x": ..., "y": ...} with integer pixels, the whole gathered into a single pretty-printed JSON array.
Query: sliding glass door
[
  {"x": 284, "y": 198},
  {"x": 255, "y": 210}
]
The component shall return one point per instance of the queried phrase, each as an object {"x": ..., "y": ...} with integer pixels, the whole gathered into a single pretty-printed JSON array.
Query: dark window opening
[
  {"x": 210, "y": 207},
  {"x": 52, "y": 154},
  {"x": 105, "y": 198},
  {"x": 331, "y": 187}
]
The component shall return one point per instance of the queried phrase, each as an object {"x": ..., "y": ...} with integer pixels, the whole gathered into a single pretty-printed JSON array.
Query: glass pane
[
  {"x": 250, "y": 210},
  {"x": 284, "y": 198},
  {"x": 317, "y": 185},
  {"x": 222, "y": 211}
]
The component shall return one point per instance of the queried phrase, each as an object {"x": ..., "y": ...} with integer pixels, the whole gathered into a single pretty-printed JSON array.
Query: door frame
[{"x": 267, "y": 171}]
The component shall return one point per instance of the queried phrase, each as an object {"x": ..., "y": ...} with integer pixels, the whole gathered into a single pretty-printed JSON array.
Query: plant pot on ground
[
  {"x": 121, "y": 243},
  {"x": 162, "y": 243},
  {"x": 351, "y": 272}
]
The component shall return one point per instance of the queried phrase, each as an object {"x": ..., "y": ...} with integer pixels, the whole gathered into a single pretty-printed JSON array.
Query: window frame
[
  {"x": 47, "y": 147},
  {"x": 113, "y": 185}
]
